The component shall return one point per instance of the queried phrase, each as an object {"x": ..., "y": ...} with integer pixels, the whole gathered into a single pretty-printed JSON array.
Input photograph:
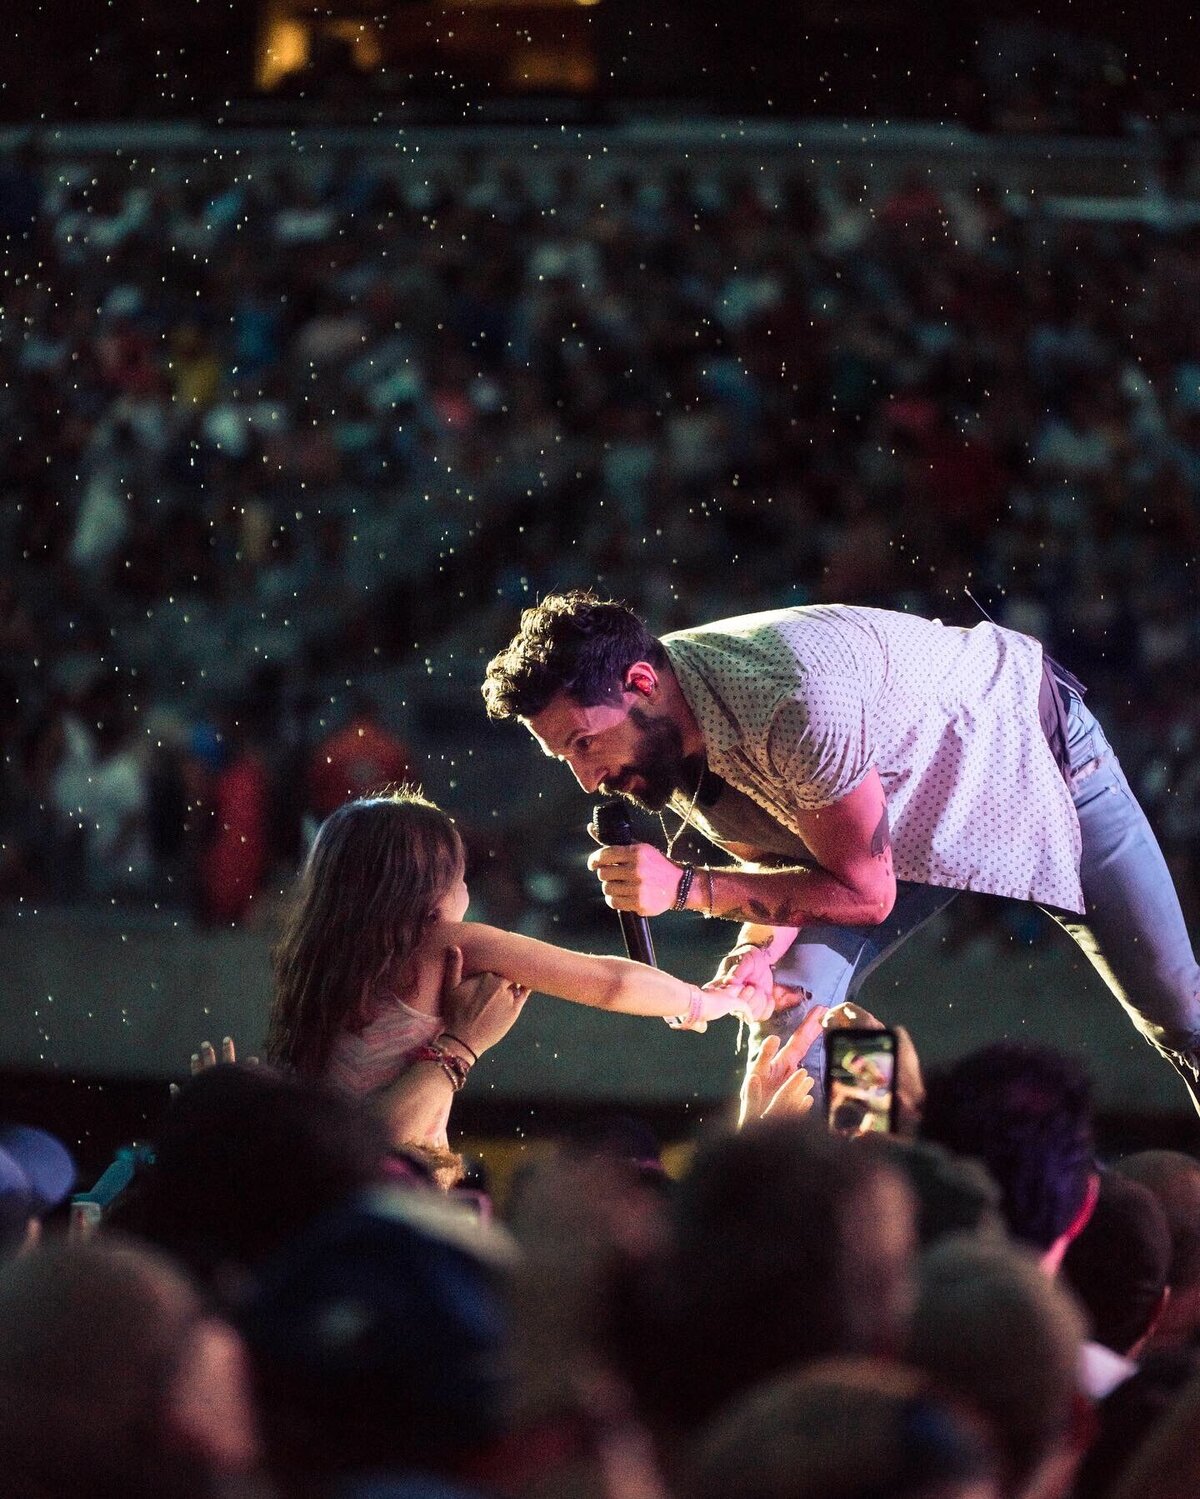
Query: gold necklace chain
[{"x": 673, "y": 839}]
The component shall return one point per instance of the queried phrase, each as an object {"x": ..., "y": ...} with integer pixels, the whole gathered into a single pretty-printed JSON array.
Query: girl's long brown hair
[{"x": 376, "y": 871}]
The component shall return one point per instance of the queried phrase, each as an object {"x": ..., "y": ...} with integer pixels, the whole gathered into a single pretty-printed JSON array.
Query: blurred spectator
[
  {"x": 1167, "y": 1464},
  {"x": 99, "y": 785},
  {"x": 234, "y": 861},
  {"x": 115, "y": 1382},
  {"x": 1025, "y": 1113},
  {"x": 625, "y": 1140},
  {"x": 362, "y": 758},
  {"x": 379, "y": 1338},
  {"x": 583, "y": 1220},
  {"x": 1118, "y": 1265},
  {"x": 842, "y": 1430},
  {"x": 1127, "y": 1417},
  {"x": 990, "y": 1329},
  {"x": 953, "y": 1194},
  {"x": 244, "y": 1160},
  {"x": 1174, "y": 1178},
  {"x": 780, "y": 1199}
]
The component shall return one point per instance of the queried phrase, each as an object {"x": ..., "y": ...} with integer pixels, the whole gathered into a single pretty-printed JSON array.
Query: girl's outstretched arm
[{"x": 605, "y": 983}]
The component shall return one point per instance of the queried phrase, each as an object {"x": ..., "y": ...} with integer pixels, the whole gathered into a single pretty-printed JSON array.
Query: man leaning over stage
[{"x": 861, "y": 766}]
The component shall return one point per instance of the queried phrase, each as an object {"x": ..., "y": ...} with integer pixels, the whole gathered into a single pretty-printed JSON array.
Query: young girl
[{"x": 362, "y": 960}]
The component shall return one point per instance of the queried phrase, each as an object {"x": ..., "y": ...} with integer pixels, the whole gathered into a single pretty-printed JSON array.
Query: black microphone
[{"x": 613, "y": 828}]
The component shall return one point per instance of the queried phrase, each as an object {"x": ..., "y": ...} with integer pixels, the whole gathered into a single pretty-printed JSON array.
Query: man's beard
[{"x": 660, "y": 764}]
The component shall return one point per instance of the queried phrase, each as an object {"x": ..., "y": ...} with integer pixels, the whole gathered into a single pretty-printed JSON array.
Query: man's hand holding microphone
[{"x": 638, "y": 882}]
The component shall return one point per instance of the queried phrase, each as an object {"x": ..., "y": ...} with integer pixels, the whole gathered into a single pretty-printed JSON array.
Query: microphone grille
[{"x": 613, "y": 824}]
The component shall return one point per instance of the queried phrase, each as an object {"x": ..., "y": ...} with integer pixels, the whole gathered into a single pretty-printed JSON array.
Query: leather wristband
[{"x": 685, "y": 884}]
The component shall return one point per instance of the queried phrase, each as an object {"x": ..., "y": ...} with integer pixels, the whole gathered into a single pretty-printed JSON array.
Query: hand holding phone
[{"x": 860, "y": 1081}]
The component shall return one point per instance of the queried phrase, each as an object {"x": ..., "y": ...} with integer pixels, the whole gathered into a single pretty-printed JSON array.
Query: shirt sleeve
[{"x": 819, "y": 744}]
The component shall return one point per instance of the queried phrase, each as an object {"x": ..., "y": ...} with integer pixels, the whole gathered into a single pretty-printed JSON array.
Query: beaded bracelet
[
  {"x": 455, "y": 1067},
  {"x": 685, "y": 884}
]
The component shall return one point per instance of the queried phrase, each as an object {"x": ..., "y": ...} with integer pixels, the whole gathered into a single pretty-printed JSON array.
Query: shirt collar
[{"x": 720, "y": 729}]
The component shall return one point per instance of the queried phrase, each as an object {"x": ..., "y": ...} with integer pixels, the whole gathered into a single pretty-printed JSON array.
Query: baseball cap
[
  {"x": 393, "y": 1305},
  {"x": 36, "y": 1173}
]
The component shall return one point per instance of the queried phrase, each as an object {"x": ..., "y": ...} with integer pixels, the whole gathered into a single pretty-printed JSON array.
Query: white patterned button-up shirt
[{"x": 797, "y": 705}]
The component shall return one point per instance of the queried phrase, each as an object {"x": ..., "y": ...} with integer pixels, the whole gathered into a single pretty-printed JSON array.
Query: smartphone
[{"x": 860, "y": 1081}]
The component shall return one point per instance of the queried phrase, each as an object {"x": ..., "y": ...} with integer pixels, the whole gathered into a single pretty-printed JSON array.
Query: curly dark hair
[
  {"x": 1025, "y": 1111},
  {"x": 571, "y": 642}
]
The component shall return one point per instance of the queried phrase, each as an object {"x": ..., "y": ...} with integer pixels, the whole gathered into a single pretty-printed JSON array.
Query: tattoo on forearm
[
  {"x": 772, "y": 913},
  {"x": 828, "y": 901},
  {"x": 793, "y": 910},
  {"x": 761, "y": 912}
]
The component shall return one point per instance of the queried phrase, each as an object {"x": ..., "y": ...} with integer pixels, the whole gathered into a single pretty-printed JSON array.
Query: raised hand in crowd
[
  {"x": 205, "y": 1055},
  {"x": 909, "y": 1082},
  {"x": 776, "y": 1082}
]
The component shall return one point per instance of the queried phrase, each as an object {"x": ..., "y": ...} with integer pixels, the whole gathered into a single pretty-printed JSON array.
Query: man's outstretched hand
[{"x": 748, "y": 970}]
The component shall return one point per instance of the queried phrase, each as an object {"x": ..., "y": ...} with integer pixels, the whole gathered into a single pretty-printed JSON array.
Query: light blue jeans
[{"x": 1133, "y": 932}]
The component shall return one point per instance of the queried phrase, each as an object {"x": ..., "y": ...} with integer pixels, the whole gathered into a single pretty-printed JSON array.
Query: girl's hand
[
  {"x": 728, "y": 997},
  {"x": 480, "y": 1010}
]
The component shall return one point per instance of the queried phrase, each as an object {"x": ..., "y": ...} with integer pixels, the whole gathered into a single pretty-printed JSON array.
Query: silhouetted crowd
[{"x": 286, "y": 1298}]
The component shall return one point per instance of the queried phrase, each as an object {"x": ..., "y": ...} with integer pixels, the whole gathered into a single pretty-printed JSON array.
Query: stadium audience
[
  {"x": 232, "y": 481},
  {"x": 252, "y": 406},
  {"x": 768, "y": 1324}
]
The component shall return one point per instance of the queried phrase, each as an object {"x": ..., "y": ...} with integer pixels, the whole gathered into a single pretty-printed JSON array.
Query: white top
[
  {"x": 797, "y": 705},
  {"x": 360, "y": 1064}
]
